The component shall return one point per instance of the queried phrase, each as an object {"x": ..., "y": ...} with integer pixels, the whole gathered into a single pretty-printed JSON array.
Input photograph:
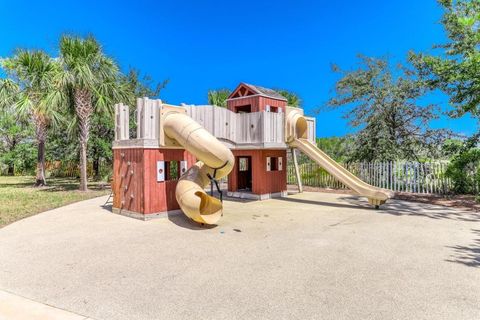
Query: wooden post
[
  {"x": 148, "y": 113},
  {"x": 121, "y": 122},
  {"x": 297, "y": 171}
]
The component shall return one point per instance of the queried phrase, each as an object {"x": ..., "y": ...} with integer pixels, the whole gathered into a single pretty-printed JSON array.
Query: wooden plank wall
[
  {"x": 127, "y": 179},
  {"x": 160, "y": 196},
  {"x": 225, "y": 123},
  {"x": 122, "y": 117},
  {"x": 240, "y": 128},
  {"x": 263, "y": 181},
  {"x": 263, "y": 101},
  {"x": 135, "y": 185},
  {"x": 252, "y": 100},
  {"x": 257, "y": 103},
  {"x": 273, "y": 127}
]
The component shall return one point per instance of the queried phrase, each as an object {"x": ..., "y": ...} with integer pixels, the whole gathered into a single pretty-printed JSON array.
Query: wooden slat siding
[
  {"x": 240, "y": 128},
  {"x": 160, "y": 196},
  {"x": 149, "y": 196},
  {"x": 273, "y": 127},
  {"x": 126, "y": 184},
  {"x": 258, "y": 103},
  {"x": 263, "y": 101},
  {"x": 253, "y": 101},
  {"x": 116, "y": 179},
  {"x": 263, "y": 181}
]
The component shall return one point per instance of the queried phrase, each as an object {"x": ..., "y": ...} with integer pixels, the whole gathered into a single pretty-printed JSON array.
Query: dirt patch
[{"x": 466, "y": 202}]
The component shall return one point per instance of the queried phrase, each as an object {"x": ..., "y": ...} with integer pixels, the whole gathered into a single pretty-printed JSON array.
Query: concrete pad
[
  {"x": 13, "y": 307},
  {"x": 308, "y": 256}
]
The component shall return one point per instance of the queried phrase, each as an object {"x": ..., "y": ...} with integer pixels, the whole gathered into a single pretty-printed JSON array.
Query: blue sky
[{"x": 200, "y": 45}]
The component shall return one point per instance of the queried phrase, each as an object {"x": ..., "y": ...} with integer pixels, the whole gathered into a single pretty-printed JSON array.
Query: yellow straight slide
[
  {"x": 376, "y": 196},
  {"x": 296, "y": 135}
]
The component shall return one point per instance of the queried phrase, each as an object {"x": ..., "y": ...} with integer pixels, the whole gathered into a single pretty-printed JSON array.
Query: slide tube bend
[{"x": 215, "y": 159}]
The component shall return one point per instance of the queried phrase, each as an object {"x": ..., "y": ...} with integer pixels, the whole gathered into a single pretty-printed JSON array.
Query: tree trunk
[
  {"x": 96, "y": 168},
  {"x": 41, "y": 135},
  {"x": 84, "y": 110},
  {"x": 11, "y": 169}
]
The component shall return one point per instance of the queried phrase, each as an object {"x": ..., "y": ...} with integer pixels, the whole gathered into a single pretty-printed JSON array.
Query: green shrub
[
  {"x": 464, "y": 171},
  {"x": 23, "y": 157}
]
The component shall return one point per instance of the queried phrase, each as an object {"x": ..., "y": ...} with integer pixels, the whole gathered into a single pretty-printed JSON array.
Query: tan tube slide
[
  {"x": 297, "y": 128},
  {"x": 216, "y": 160}
]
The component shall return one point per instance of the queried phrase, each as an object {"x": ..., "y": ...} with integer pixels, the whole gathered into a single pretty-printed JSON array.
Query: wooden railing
[{"x": 239, "y": 128}]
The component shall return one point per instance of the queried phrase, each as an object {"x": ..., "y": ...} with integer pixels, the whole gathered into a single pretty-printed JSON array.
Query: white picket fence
[{"x": 405, "y": 176}]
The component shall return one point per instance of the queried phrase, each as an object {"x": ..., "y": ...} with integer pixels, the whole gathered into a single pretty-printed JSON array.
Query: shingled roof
[{"x": 261, "y": 91}]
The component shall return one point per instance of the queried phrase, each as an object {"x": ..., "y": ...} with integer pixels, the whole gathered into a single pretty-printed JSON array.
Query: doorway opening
[{"x": 244, "y": 173}]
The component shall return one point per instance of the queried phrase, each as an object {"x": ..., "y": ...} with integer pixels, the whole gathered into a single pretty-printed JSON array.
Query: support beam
[{"x": 297, "y": 170}]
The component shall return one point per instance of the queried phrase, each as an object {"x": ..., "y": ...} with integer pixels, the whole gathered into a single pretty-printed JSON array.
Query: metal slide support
[{"x": 297, "y": 170}]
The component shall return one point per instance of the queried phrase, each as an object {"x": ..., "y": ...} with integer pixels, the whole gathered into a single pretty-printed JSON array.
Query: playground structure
[{"x": 181, "y": 150}]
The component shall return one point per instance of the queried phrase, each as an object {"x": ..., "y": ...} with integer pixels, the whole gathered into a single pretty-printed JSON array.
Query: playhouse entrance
[{"x": 244, "y": 174}]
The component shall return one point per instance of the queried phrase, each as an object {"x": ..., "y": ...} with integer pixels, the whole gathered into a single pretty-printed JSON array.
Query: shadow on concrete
[
  {"x": 107, "y": 207},
  {"x": 183, "y": 221},
  {"x": 233, "y": 199},
  {"x": 401, "y": 208},
  {"x": 327, "y": 204},
  {"x": 467, "y": 255},
  {"x": 179, "y": 219}
]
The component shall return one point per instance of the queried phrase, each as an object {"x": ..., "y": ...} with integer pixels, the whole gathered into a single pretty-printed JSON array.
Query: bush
[
  {"x": 464, "y": 170},
  {"x": 23, "y": 158}
]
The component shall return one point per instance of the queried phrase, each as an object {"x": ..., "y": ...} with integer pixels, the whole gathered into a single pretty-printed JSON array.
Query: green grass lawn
[{"x": 19, "y": 199}]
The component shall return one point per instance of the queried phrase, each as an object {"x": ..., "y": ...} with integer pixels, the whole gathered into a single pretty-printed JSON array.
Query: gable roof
[{"x": 270, "y": 93}]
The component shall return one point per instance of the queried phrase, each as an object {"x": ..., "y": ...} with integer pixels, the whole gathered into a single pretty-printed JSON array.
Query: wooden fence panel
[{"x": 405, "y": 176}]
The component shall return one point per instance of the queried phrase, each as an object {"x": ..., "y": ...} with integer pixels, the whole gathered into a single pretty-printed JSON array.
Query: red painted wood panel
[
  {"x": 263, "y": 181},
  {"x": 263, "y": 101},
  {"x": 135, "y": 185},
  {"x": 258, "y": 103},
  {"x": 253, "y": 101},
  {"x": 160, "y": 196}
]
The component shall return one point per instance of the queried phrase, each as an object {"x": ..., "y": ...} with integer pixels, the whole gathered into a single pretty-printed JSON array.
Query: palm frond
[
  {"x": 9, "y": 91},
  {"x": 86, "y": 67},
  {"x": 32, "y": 77}
]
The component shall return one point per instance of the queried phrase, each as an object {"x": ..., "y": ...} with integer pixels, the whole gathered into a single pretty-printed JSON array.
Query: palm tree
[
  {"x": 218, "y": 97},
  {"x": 293, "y": 100},
  {"x": 89, "y": 82},
  {"x": 32, "y": 74}
]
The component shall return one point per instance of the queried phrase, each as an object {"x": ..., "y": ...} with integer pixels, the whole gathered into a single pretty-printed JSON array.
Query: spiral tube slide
[
  {"x": 297, "y": 138},
  {"x": 216, "y": 160}
]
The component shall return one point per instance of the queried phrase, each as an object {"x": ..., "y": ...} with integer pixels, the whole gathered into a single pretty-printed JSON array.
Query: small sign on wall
[
  {"x": 160, "y": 171},
  {"x": 183, "y": 167}
]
